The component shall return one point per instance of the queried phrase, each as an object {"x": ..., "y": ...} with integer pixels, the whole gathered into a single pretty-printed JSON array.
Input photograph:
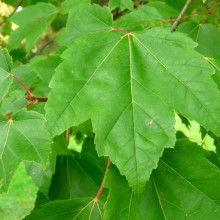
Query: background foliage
[{"x": 111, "y": 107}]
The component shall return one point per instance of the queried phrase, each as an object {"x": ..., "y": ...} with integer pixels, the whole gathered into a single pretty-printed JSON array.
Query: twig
[
  {"x": 103, "y": 182},
  {"x": 30, "y": 104},
  {"x": 210, "y": 12},
  {"x": 36, "y": 98},
  {"x": 67, "y": 137},
  {"x": 30, "y": 97},
  {"x": 15, "y": 9},
  {"x": 176, "y": 23},
  {"x": 185, "y": 16}
]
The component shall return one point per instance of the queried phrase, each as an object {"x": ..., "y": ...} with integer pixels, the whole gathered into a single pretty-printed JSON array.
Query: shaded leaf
[
  {"x": 23, "y": 137},
  {"x": 184, "y": 186},
  {"x": 208, "y": 41},
  {"x": 121, "y": 4},
  {"x": 165, "y": 10},
  {"x": 32, "y": 21},
  {"x": 71, "y": 180},
  {"x": 122, "y": 203},
  {"x": 42, "y": 176},
  {"x": 185, "y": 121}
]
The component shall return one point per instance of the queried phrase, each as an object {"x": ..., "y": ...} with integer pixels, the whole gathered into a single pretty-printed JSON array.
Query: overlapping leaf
[
  {"x": 206, "y": 36},
  {"x": 23, "y": 137},
  {"x": 93, "y": 19},
  {"x": 80, "y": 208},
  {"x": 145, "y": 17},
  {"x": 131, "y": 84},
  {"x": 5, "y": 60},
  {"x": 71, "y": 180},
  {"x": 32, "y": 21},
  {"x": 72, "y": 6},
  {"x": 185, "y": 185},
  {"x": 77, "y": 181},
  {"x": 42, "y": 176},
  {"x": 45, "y": 66},
  {"x": 121, "y": 4}
]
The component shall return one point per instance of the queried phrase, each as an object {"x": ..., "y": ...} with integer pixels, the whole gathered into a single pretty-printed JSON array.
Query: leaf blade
[{"x": 22, "y": 141}]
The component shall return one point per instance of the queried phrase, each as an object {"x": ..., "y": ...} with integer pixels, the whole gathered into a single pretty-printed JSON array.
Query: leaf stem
[
  {"x": 176, "y": 23},
  {"x": 120, "y": 30},
  {"x": 22, "y": 84},
  {"x": 103, "y": 181}
]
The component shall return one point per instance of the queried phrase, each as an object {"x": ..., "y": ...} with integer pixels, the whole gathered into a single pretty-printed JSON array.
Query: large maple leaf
[{"x": 130, "y": 84}]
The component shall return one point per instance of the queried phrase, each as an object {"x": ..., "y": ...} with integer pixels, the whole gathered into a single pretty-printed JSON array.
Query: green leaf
[
  {"x": 78, "y": 209},
  {"x": 208, "y": 41},
  {"x": 71, "y": 180},
  {"x": 206, "y": 35},
  {"x": 26, "y": 74},
  {"x": 6, "y": 61},
  {"x": 69, "y": 6},
  {"x": 42, "y": 176},
  {"x": 121, "y": 4},
  {"x": 5, "y": 82},
  {"x": 20, "y": 198},
  {"x": 90, "y": 161},
  {"x": 142, "y": 18},
  {"x": 23, "y": 137},
  {"x": 32, "y": 21},
  {"x": 122, "y": 203},
  {"x": 45, "y": 66},
  {"x": 185, "y": 185},
  {"x": 5, "y": 75},
  {"x": 13, "y": 102},
  {"x": 145, "y": 17},
  {"x": 164, "y": 9},
  {"x": 94, "y": 18},
  {"x": 125, "y": 85}
]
